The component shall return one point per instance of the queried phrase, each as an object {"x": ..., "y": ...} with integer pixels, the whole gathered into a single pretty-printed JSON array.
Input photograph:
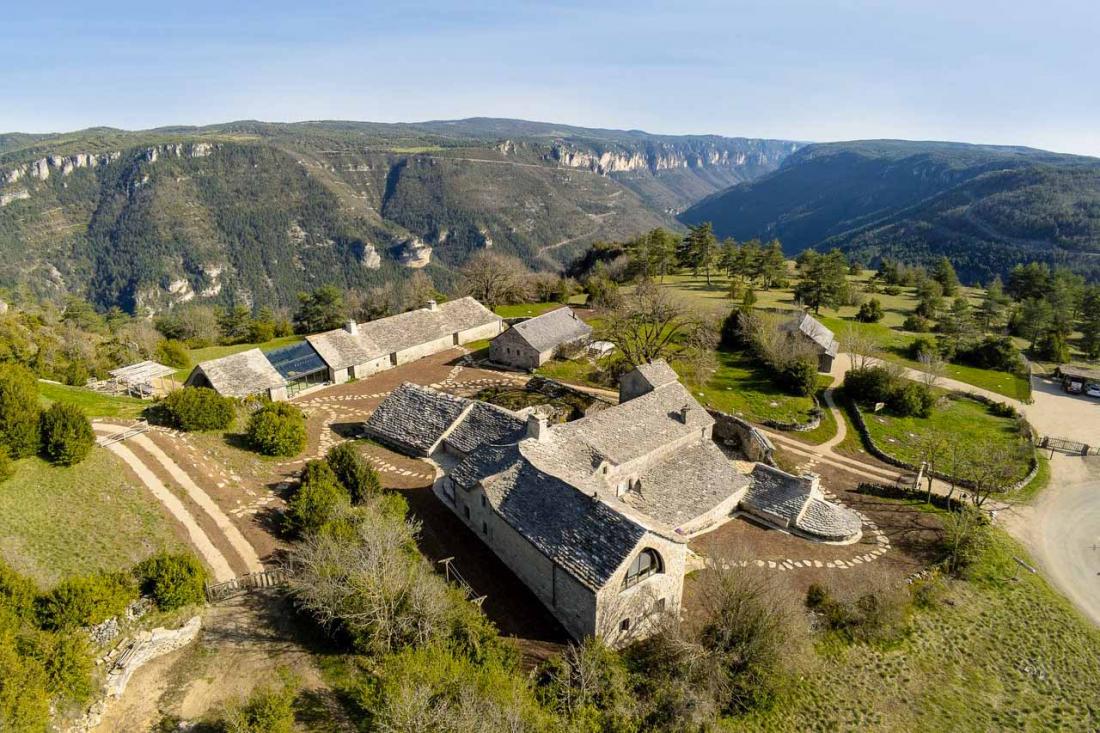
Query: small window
[
  {"x": 484, "y": 528},
  {"x": 466, "y": 511},
  {"x": 647, "y": 563},
  {"x": 659, "y": 606},
  {"x": 624, "y": 625},
  {"x": 483, "y": 500}
]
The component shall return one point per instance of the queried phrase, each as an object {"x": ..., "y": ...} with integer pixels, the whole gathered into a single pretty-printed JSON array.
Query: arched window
[{"x": 647, "y": 563}]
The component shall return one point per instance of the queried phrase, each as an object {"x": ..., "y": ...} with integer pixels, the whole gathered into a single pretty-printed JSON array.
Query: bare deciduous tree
[
  {"x": 862, "y": 350},
  {"x": 495, "y": 279},
  {"x": 648, "y": 326},
  {"x": 932, "y": 368}
]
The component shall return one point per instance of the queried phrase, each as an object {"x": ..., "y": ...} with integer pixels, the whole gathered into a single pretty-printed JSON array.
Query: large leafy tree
[{"x": 321, "y": 310}]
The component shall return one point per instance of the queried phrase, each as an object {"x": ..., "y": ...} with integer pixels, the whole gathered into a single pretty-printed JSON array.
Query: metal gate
[{"x": 1064, "y": 445}]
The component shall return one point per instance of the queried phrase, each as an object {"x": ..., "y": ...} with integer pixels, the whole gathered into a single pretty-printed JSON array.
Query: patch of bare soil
[{"x": 243, "y": 645}]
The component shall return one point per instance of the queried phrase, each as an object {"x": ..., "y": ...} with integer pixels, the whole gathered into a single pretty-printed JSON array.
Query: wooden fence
[
  {"x": 452, "y": 575},
  {"x": 252, "y": 581}
]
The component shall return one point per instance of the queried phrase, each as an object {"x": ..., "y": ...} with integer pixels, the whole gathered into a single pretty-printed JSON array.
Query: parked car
[
  {"x": 1093, "y": 390},
  {"x": 1074, "y": 387}
]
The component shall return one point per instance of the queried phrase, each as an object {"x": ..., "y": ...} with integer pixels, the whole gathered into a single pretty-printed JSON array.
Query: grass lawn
[
  {"x": 743, "y": 387},
  {"x": 575, "y": 371},
  {"x": 530, "y": 310},
  {"x": 59, "y": 521},
  {"x": 92, "y": 403},
  {"x": 216, "y": 352},
  {"x": 1007, "y": 653},
  {"x": 824, "y": 431},
  {"x": 970, "y": 425}
]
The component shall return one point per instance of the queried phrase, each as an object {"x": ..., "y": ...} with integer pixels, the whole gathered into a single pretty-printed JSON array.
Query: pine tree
[
  {"x": 773, "y": 265},
  {"x": 700, "y": 250},
  {"x": 1090, "y": 322},
  {"x": 944, "y": 273},
  {"x": 824, "y": 282}
]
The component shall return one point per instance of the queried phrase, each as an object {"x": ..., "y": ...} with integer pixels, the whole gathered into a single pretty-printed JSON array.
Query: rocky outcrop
[
  {"x": 7, "y": 198},
  {"x": 64, "y": 165},
  {"x": 660, "y": 158},
  {"x": 414, "y": 253},
  {"x": 369, "y": 257}
]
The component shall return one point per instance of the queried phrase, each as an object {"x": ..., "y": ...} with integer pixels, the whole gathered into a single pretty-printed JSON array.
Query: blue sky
[{"x": 999, "y": 72}]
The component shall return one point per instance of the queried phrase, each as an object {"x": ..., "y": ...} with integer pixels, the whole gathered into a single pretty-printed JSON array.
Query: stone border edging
[
  {"x": 817, "y": 414},
  {"x": 879, "y": 453}
]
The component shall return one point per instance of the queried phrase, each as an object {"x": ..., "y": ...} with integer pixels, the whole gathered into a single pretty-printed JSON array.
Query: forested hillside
[
  {"x": 985, "y": 207},
  {"x": 252, "y": 213}
]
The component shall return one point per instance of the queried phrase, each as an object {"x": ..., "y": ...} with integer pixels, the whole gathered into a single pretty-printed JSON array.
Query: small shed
[
  {"x": 144, "y": 379},
  {"x": 820, "y": 338},
  {"x": 531, "y": 343}
]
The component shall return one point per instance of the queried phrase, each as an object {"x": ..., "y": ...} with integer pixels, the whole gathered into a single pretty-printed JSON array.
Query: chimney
[
  {"x": 684, "y": 412},
  {"x": 432, "y": 305},
  {"x": 536, "y": 427},
  {"x": 352, "y": 327},
  {"x": 573, "y": 313}
]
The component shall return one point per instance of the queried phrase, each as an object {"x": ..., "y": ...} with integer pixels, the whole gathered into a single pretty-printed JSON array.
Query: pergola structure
[{"x": 144, "y": 379}]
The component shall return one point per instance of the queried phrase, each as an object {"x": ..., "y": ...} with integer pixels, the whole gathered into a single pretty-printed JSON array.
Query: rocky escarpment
[
  {"x": 64, "y": 165},
  {"x": 667, "y": 157}
]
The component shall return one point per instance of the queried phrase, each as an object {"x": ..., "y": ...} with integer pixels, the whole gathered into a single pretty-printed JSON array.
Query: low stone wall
[
  {"x": 816, "y": 416},
  {"x": 875, "y": 450},
  {"x": 754, "y": 444}
]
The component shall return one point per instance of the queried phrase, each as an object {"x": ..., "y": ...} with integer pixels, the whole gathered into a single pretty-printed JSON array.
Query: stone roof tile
[
  {"x": 412, "y": 418},
  {"x": 552, "y": 329}
]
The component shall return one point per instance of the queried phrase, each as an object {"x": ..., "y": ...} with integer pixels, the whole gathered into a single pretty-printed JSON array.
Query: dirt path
[
  {"x": 240, "y": 545},
  {"x": 215, "y": 560}
]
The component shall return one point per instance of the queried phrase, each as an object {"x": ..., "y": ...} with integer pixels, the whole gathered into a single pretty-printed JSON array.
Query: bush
[
  {"x": 173, "y": 353},
  {"x": 17, "y": 593},
  {"x": 869, "y": 385},
  {"x": 357, "y": 476},
  {"x": 916, "y": 323},
  {"x": 7, "y": 467},
  {"x": 19, "y": 430},
  {"x": 318, "y": 499},
  {"x": 85, "y": 600},
  {"x": 172, "y": 580},
  {"x": 66, "y": 660},
  {"x": 67, "y": 436},
  {"x": 267, "y": 710},
  {"x": 24, "y": 699},
  {"x": 870, "y": 312},
  {"x": 277, "y": 429},
  {"x": 892, "y": 290},
  {"x": 920, "y": 346},
  {"x": 992, "y": 352},
  {"x": 911, "y": 399},
  {"x": 798, "y": 376},
  {"x": 197, "y": 408},
  {"x": 878, "y": 615}
]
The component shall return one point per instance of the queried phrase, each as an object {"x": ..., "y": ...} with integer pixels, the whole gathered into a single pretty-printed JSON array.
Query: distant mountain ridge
[
  {"x": 985, "y": 207},
  {"x": 255, "y": 212}
]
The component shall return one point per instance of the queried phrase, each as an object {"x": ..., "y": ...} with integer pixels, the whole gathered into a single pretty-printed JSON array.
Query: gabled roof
[
  {"x": 341, "y": 349},
  {"x": 657, "y": 373},
  {"x": 552, "y": 329},
  {"x": 240, "y": 375},
  {"x": 686, "y": 484},
  {"x": 420, "y": 326},
  {"x": 819, "y": 334},
  {"x": 412, "y": 418},
  {"x": 485, "y": 424},
  {"x": 580, "y": 534},
  {"x": 296, "y": 360}
]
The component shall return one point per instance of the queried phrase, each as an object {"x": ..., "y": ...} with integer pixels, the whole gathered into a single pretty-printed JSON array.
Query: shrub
[
  {"x": 798, "y": 376},
  {"x": 261, "y": 331},
  {"x": 19, "y": 410},
  {"x": 911, "y": 399},
  {"x": 817, "y": 596},
  {"x": 7, "y": 467},
  {"x": 870, "y": 312},
  {"x": 277, "y": 429},
  {"x": 267, "y": 710},
  {"x": 589, "y": 685},
  {"x": 197, "y": 408},
  {"x": 173, "y": 353},
  {"x": 920, "y": 346},
  {"x": 868, "y": 385},
  {"x": 85, "y": 600},
  {"x": 877, "y": 615},
  {"x": 318, "y": 499},
  {"x": 24, "y": 699},
  {"x": 892, "y": 290},
  {"x": 992, "y": 352},
  {"x": 17, "y": 593},
  {"x": 67, "y": 436},
  {"x": 66, "y": 660},
  {"x": 916, "y": 323},
  {"x": 357, "y": 476},
  {"x": 172, "y": 580}
]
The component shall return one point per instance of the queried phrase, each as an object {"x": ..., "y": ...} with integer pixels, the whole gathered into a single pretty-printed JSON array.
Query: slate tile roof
[
  {"x": 421, "y": 326},
  {"x": 829, "y": 521},
  {"x": 580, "y": 534},
  {"x": 657, "y": 373},
  {"x": 412, "y": 418},
  {"x": 240, "y": 375},
  {"x": 552, "y": 329},
  {"x": 818, "y": 333},
  {"x": 686, "y": 485},
  {"x": 341, "y": 349},
  {"x": 485, "y": 424},
  {"x": 635, "y": 428},
  {"x": 781, "y": 494}
]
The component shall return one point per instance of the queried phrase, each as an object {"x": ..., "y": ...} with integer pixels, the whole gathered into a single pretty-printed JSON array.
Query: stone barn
[
  {"x": 594, "y": 515},
  {"x": 821, "y": 339},
  {"x": 240, "y": 375},
  {"x": 530, "y": 344}
]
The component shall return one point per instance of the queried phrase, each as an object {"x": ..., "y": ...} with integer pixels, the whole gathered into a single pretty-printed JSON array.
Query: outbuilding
[{"x": 530, "y": 344}]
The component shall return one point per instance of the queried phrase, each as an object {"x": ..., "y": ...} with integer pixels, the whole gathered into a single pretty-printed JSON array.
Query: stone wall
[
  {"x": 816, "y": 415},
  {"x": 426, "y": 349},
  {"x": 744, "y": 436},
  {"x": 509, "y": 349},
  {"x": 488, "y": 331},
  {"x": 639, "y": 603}
]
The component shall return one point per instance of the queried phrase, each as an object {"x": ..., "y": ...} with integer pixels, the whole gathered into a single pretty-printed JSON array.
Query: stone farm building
[
  {"x": 531, "y": 343},
  {"x": 820, "y": 339},
  {"x": 594, "y": 515},
  {"x": 355, "y": 351}
]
